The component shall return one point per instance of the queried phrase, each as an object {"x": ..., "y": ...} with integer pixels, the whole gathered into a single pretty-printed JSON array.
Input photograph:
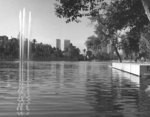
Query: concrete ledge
[{"x": 133, "y": 68}]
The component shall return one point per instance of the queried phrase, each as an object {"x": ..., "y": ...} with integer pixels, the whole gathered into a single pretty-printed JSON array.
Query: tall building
[
  {"x": 66, "y": 44},
  {"x": 58, "y": 44}
]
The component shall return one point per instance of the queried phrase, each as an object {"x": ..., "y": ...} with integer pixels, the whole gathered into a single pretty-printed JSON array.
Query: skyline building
[
  {"x": 66, "y": 43},
  {"x": 58, "y": 44}
]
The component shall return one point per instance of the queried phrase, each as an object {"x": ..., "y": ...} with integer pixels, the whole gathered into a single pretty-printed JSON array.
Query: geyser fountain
[
  {"x": 24, "y": 36},
  {"x": 24, "y": 55}
]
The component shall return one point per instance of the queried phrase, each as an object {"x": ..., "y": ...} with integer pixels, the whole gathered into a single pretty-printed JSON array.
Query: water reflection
[
  {"x": 100, "y": 92},
  {"x": 71, "y": 89},
  {"x": 126, "y": 93},
  {"x": 144, "y": 97},
  {"x": 23, "y": 90},
  {"x": 114, "y": 95}
]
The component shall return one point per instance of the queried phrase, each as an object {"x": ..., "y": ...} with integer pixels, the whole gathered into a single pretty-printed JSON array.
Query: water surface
[{"x": 71, "y": 89}]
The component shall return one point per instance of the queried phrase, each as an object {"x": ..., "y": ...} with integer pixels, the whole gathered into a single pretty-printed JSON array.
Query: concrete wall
[{"x": 133, "y": 68}]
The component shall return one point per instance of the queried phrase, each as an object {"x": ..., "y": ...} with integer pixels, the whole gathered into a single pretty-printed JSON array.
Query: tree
[
  {"x": 74, "y": 9},
  {"x": 114, "y": 16},
  {"x": 146, "y": 4},
  {"x": 93, "y": 43},
  {"x": 14, "y": 48},
  {"x": 84, "y": 54},
  {"x": 144, "y": 45},
  {"x": 84, "y": 51},
  {"x": 125, "y": 14},
  {"x": 89, "y": 55},
  {"x": 72, "y": 52}
]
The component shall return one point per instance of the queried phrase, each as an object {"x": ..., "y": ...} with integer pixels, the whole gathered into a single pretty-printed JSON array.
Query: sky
[{"x": 46, "y": 26}]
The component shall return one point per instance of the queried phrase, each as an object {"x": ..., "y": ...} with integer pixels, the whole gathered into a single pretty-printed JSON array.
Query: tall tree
[
  {"x": 144, "y": 44},
  {"x": 146, "y": 4},
  {"x": 114, "y": 16}
]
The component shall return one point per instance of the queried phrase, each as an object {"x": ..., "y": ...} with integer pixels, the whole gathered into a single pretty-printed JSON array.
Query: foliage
[
  {"x": 103, "y": 56},
  {"x": 144, "y": 45},
  {"x": 93, "y": 42},
  {"x": 119, "y": 11},
  {"x": 89, "y": 55},
  {"x": 98, "y": 42},
  {"x": 130, "y": 43},
  {"x": 9, "y": 50},
  {"x": 72, "y": 52},
  {"x": 111, "y": 18},
  {"x": 72, "y": 10},
  {"x": 122, "y": 14}
]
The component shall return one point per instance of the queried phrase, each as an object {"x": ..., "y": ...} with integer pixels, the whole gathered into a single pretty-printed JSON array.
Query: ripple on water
[{"x": 70, "y": 89}]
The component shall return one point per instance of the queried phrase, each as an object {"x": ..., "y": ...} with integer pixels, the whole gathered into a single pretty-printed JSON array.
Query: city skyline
[
  {"x": 46, "y": 26},
  {"x": 63, "y": 45},
  {"x": 66, "y": 43},
  {"x": 58, "y": 44}
]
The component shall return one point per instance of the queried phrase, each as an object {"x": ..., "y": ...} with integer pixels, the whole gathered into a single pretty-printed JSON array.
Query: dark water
[{"x": 71, "y": 89}]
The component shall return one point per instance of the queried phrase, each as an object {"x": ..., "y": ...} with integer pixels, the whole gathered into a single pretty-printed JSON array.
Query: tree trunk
[
  {"x": 146, "y": 5},
  {"x": 116, "y": 50}
]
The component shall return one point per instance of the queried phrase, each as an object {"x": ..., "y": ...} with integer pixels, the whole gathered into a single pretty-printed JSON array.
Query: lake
[{"x": 71, "y": 89}]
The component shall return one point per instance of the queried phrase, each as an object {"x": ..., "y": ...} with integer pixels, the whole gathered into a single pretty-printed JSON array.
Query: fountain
[
  {"x": 24, "y": 58},
  {"x": 22, "y": 36}
]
